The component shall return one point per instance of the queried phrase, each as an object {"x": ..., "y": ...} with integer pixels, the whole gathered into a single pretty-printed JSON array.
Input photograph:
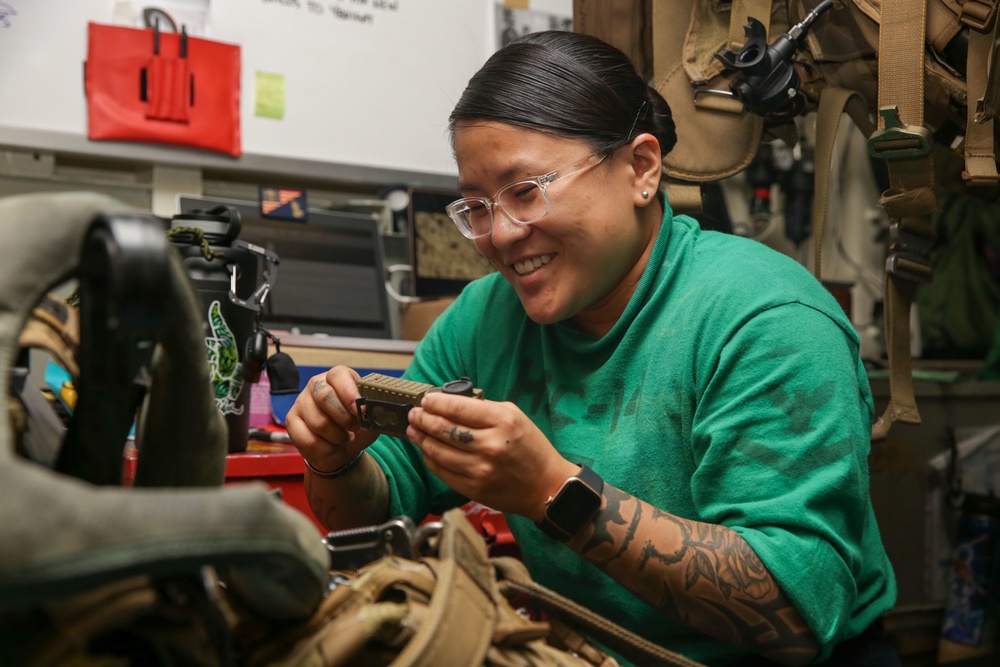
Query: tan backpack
[{"x": 445, "y": 602}]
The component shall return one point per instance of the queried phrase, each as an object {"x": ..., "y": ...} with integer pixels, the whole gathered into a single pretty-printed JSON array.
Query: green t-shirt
[{"x": 729, "y": 392}]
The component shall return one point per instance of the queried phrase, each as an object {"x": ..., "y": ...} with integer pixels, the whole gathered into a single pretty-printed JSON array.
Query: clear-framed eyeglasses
[{"x": 524, "y": 202}]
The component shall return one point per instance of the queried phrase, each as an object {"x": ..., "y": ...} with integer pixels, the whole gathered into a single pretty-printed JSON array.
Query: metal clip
[
  {"x": 715, "y": 99},
  {"x": 350, "y": 549},
  {"x": 383, "y": 416},
  {"x": 909, "y": 266},
  {"x": 707, "y": 92},
  {"x": 898, "y": 140}
]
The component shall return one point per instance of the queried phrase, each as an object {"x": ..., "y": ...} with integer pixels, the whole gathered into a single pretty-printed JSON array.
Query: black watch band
[{"x": 573, "y": 506}]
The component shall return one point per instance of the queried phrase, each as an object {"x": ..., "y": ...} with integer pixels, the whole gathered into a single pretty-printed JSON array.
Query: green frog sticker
[{"x": 224, "y": 362}]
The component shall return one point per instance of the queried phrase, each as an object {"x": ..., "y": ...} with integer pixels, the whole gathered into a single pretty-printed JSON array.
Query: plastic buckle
[
  {"x": 897, "y": 140},
  {"x": 979, "y": 14},
  {"x": 901, "y": 240}
]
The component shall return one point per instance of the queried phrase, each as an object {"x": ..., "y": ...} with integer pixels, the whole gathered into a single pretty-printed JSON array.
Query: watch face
[{"x": 575, "y": 505}]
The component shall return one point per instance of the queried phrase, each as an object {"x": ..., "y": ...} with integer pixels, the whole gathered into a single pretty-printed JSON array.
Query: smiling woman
[
  {"x": 546, "y": 234},
  {"x": 675, "y": 420},
  {"x": 545, "y": 101}
]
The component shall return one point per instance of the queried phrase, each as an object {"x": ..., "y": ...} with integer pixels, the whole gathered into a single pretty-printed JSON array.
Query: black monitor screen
[
  {"x": 443, "y": 260},
  {"x": 330, "y": 276}
]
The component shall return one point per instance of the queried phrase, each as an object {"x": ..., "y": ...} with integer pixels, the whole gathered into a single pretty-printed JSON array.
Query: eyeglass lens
[{"x": 522, "y": 202}]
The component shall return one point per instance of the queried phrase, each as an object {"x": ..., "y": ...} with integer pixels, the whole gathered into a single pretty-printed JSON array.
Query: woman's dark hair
[{"x": 570, "y": 85}]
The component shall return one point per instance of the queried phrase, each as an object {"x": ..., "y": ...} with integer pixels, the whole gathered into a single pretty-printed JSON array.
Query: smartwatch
[{"x": 573, "y": 506}]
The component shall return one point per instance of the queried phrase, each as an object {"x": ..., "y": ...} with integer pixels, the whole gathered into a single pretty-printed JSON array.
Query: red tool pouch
[{"x": 144, "y": 85}]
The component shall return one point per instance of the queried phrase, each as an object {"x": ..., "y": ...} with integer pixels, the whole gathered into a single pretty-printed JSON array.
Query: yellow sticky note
[{"x": 270, "y": 95}]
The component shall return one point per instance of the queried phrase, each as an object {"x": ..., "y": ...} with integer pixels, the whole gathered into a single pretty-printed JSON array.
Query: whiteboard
[{"x": 368, "y": 84}]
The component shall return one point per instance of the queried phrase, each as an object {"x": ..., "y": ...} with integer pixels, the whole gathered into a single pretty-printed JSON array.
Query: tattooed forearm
[
  {"x": 317, "y": 504},
  {"x": 608, "y": 526},
  {"x": 703, "y": 575},
  {"x": 376, "y": 488},
  {"x": 651, "y": 551},
  {"x": 779, "y": 637},
  {"x": 360, "y": 498},
  {"x": 727, "y": 561}
]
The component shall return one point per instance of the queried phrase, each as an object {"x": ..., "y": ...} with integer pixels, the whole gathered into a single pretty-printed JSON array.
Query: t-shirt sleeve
[{"x": 781, "y": 434}]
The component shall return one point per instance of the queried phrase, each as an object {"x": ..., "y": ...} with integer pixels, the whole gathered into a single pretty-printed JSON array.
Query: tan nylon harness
[
  {"x": 903, "y": 143},
  {"x": 900, "y": 140},
  {"x": 911, "y": 199}
]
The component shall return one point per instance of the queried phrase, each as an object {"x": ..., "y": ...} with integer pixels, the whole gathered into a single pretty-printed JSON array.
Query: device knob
[{"x": 459, "y": 387}]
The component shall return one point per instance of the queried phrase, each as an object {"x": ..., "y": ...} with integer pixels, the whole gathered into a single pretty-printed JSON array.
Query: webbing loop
[{"x": 979, "y": 14}]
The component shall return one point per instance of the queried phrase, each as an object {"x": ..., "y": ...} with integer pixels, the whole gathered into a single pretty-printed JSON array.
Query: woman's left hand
[{"x": 489, "y": 452}]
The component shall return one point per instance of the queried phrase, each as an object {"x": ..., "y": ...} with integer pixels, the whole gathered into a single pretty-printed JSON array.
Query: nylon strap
[
  {"x": 54, "y": 326},
  {"x": 683, "y": 197},
  {"x": 901, "y": 82},
  {"x": 514, "y": 580},
  {"x": 622, "y": 23},
  {"x": 463, "y": 598},
  {"x": 833, "y": 103},
  {"x": 981, "y": 88},
  {"x": 742, "y": 9},
  {"x": 457, "y": 604},
  {"x": 671, "y": 20},
  {"x": 911, "y": 199},
  {"x": 991, "y": 100}
]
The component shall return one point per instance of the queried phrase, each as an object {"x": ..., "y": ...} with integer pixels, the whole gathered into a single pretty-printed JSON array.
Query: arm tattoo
[
  {"x": 649, "y": 551},
  {"x": 700, "y": 574},
  {"x": 372, "y": 497},
  {"x": 376, "y": 486},
  {"x": 611, "y": 516}
]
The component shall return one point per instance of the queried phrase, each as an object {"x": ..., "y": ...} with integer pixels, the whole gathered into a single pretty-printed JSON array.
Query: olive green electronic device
[{"x": 385, "y": 400}]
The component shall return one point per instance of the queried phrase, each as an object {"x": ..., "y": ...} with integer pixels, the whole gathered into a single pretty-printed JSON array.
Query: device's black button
[{"x": 461, "y": 387}]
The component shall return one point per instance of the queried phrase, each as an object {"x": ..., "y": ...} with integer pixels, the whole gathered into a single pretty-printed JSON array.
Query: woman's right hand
[{"x": 323, "y": 422}]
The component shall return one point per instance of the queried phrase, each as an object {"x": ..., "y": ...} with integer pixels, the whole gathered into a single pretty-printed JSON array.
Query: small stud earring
[{"x": 645, "y": 195}]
